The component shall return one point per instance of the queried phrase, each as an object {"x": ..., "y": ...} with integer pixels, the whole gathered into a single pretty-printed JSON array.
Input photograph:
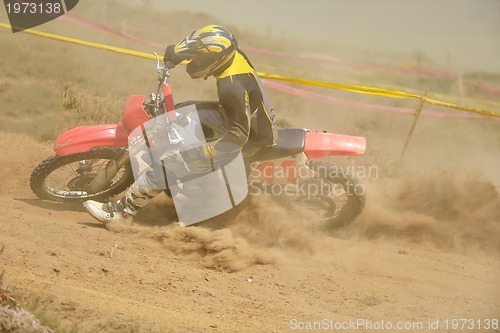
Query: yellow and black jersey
[{"x": 249, "y": 116}]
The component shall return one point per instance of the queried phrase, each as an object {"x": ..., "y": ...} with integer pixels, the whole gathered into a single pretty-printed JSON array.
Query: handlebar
[
  {"x": 157, "y": 105},
  {"x": 163, "y": 75},
  {"x": 163, "y": 71}
]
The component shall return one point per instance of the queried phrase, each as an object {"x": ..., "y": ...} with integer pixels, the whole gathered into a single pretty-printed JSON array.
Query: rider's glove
[{"x": 172, "y": 57}]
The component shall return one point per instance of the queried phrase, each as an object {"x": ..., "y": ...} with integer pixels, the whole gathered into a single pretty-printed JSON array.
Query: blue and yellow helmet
[{"x": 210, "y": 50}]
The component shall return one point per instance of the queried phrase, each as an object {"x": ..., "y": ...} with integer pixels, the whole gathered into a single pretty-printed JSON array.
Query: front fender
[{"x": 84, "y": 138}]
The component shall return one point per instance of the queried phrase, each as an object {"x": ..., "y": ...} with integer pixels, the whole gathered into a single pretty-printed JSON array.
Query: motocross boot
[
  {"x": 125, "y": 209},
  {"x": 108, "y": 212}
]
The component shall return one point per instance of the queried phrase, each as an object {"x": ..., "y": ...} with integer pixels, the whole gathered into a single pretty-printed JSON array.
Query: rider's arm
[{"x": 234, "y": 100}]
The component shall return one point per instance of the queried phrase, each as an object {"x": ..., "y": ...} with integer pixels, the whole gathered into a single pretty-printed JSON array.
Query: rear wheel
[
  {"x": 337, "y": 197},
  {"x": 67, "y": 178}
]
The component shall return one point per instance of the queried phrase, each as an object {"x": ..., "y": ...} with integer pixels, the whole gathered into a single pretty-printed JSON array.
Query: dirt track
[
  {"x": 426, "y": 247},
  {"x": 386, "y": 266}
]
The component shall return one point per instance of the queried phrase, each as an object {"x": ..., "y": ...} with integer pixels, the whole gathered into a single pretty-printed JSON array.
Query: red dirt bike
[{"x": 93, "y": 162}]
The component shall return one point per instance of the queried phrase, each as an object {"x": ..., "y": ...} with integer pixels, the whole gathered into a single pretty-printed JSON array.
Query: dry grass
[
  {"x": 5, "y": 298},
  {"x": 25, "y": 317},
  {"x": 19, "y": 320},
  {"x": 13, "y": 318}
]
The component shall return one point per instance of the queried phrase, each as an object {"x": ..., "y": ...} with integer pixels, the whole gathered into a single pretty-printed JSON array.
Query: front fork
[{"x": 102, "y": 180}]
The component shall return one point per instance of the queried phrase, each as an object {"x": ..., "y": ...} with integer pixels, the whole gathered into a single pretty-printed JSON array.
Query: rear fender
[
  {"x": 83, "y": 138},
  {"x": 330, "y": 144}
]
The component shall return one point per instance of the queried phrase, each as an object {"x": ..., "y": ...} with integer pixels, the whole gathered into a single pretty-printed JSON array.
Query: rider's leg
[{"x": 138, "y": 195}]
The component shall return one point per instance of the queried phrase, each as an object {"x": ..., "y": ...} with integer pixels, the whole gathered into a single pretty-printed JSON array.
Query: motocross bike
[{"x": 93, "y": 162}]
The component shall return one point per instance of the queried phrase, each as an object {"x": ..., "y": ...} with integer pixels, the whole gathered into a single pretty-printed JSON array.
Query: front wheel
[
  {"x": 338, "y": 197},
  {"x": 67, "y": 178}
]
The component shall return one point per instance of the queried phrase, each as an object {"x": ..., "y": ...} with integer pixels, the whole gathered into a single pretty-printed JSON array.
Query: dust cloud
[
  {"x": 258, "y": 232},
  {"x": 459, "y": 213}
]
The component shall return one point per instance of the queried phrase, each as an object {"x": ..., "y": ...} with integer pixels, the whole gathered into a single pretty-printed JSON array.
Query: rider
[{"x": 245, "y": 116}]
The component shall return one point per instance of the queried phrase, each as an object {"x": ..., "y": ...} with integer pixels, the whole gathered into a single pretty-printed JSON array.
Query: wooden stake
[{"x": 415, "y": 119}]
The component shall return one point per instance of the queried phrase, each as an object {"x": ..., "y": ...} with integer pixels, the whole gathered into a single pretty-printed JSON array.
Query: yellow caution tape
[
  {"x": 377, "y": 91},
  {"x": 85, "y": 43},
  {"x": 484, "y": 103},
  {"x": 330, "y": 85},
  {"x": 463, "y": 108}
]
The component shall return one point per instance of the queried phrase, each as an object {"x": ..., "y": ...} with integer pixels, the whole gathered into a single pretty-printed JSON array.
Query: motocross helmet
[{"x": 210, "y": 50}]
